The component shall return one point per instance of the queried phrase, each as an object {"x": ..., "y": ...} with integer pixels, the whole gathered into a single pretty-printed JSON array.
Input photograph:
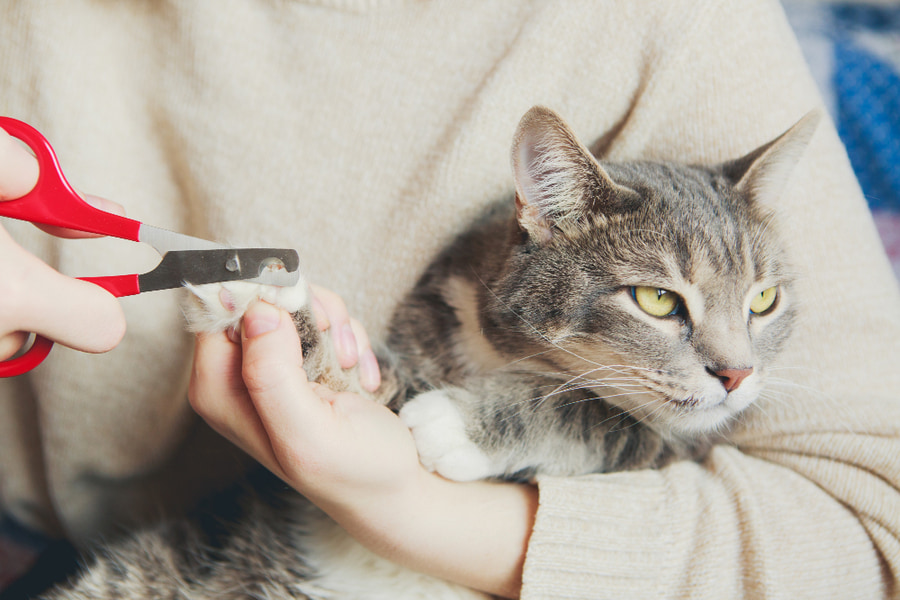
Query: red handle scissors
[{"x": 185, "y": 259}]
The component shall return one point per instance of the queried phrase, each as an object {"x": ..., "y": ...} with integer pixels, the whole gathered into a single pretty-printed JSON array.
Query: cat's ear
[
  {"x": 557, "y": 180},
  {"x": 764, "y": 172}
]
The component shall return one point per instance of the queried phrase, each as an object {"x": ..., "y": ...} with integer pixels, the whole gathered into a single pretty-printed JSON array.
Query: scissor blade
[{"x": 272, "y": 266}]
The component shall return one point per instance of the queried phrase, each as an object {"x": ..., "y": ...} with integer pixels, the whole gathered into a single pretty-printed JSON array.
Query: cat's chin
[
  {"x": 699, "y": 421},
  {"x": 703, "y": 416}
]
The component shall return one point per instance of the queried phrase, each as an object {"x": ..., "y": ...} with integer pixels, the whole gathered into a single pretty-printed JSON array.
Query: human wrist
[{"x": 473, "y": 533}]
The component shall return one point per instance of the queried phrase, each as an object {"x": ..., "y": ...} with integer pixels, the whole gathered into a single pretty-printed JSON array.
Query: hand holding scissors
[{"x": 185, "y": 259}]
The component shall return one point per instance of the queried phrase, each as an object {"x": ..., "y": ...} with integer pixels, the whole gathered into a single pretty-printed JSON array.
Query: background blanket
[{"x": 854, "y": 53}]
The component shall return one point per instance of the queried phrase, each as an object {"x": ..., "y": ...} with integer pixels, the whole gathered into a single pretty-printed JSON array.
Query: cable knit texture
[{"x": 366, "y": 134}]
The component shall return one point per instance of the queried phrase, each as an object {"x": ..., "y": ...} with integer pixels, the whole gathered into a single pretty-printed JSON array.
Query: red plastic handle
[
  {"x": 32, "y": 358},
  {"x": 53, "y": 201},
  {"x": 117, "y": 285}
]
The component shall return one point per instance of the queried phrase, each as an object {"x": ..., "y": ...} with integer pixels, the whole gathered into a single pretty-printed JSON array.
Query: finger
[
  {"x": 18, "y": 168},
  {"x": 291, "y": 412},
  {"x": 319, "y": 312},
  {"x": 36, "y": 298},
  {"x": 217, "y": 393},
  {"x": 338, "y": 317},
  {"x": 11, "y": 343},
  {"x": 369, "y": 373},
  {"x": 90, "y": 319}
]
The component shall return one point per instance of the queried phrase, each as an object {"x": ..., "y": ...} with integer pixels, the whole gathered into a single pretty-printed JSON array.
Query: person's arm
[{"x": 34, "y": 297}]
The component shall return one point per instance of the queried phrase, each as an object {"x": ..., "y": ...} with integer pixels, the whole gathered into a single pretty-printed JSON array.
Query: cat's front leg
[
  {"x": 443, "y": 439},
  {"x": 493, "y": 425},
  {"x": 488, "y": 429}
]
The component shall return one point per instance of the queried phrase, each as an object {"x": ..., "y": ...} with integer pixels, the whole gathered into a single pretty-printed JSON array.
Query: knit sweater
[{"x": 366, "y": 133}]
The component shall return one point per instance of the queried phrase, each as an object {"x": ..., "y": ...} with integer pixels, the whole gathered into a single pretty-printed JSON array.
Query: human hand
[
  {"x": 36, "y": 298},
  {"x": 349, "y": 336},
  {"x": 355, "y": 459},
  {"x": 240, "y": 389}
]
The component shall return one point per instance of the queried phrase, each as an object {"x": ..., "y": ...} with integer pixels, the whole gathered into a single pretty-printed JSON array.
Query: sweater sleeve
[{"x": 803, "y": 501}]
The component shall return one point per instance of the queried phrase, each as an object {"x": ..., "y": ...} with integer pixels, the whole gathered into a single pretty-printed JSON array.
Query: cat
[{"x": 608, "y": 316}]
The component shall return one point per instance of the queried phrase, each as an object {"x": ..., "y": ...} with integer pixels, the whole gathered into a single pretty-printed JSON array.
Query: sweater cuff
[{"x": 598, "y": 536}]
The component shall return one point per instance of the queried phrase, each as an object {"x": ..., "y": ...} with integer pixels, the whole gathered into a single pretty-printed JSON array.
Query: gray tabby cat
[{"x": 614, "y": 316}]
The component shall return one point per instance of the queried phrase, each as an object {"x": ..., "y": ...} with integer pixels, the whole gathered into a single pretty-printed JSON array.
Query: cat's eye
[
  {"x": 654, "y": 301},
  {"x": 764, "y": 301}
]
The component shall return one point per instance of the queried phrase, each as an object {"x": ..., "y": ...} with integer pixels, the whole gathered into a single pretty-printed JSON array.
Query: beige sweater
[{"x": 365, "y": 133}]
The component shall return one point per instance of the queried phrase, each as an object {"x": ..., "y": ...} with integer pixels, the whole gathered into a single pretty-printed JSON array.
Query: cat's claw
[
  {"x": 441, "y": 440},
  {"x": 217, "y": 306}
]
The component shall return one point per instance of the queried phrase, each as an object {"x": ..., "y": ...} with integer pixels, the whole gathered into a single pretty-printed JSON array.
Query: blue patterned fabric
[
  {"x": 867, "y": 89},
  {"x": 854, "y": 52}
]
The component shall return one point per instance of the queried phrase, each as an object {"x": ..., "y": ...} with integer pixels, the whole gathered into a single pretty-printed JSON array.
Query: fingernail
[
  {"x": 233, "y": 334},
  {"x": 260, "y": 318},
  {"x": 369, "y": 373},
  {"x": 347, "y": 344}
]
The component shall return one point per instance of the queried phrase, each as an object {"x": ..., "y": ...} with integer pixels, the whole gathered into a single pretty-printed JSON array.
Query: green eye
[
  {"x": 763, "y": 301},
  {"x": 654, "y": 301}
]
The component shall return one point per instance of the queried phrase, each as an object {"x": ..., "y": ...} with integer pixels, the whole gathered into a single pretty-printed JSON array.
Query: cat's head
[{"x": 662, "y": 286}]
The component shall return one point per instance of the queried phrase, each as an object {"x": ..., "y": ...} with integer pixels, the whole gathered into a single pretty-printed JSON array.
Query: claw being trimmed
[{"x": 215, "y": 307}]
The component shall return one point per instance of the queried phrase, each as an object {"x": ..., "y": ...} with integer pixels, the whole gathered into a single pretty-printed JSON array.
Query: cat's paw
[
  {"x": 215, "y": 307},
  {"x": 440, "y": 434}
]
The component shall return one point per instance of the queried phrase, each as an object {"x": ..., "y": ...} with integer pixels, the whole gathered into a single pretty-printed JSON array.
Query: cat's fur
[{"x": 521, "y": 351}]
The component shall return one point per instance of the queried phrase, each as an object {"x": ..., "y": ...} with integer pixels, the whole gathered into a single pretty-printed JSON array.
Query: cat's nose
[{"x": 731, "y": 378}]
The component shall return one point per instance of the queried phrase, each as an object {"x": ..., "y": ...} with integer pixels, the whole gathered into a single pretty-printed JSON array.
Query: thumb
[{"x": 273, "y": 374}]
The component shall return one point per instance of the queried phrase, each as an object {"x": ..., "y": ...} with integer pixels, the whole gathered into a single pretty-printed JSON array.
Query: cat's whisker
[
  {"x": 524, "y": 358},
  {"x": 660, "y": 406},
  {"x": 587, "y": 376},
  {"x": 583, "y": 380},
  {"x": 614, "y": 375},
  {"x": 538, "y": 401},
  {"x": 630, "y": 414},
  {"x": 594, "y": 399},
  {"x": 789, "y": 384},
  {"x": 574, "y": 385},
  {"x": 624, "y": 370},
  {"x": 783, "y": 391},
  {"x": 787, "y": 368}
]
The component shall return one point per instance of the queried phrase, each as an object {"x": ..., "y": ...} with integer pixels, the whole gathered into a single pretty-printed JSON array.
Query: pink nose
[{"x": 732, "y": 378}]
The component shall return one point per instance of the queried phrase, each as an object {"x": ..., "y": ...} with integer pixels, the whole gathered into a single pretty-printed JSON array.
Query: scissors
[{"x": 185, "y": 259}]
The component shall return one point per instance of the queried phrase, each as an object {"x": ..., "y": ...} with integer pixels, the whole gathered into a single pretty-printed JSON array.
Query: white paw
[
  {"x": 217, "y": 306},
  {"x": 440, "y": 434}
]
